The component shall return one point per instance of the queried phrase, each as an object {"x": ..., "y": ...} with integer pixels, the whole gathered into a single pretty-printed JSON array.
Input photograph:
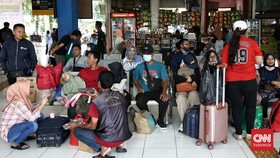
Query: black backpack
[{"x": 6, "y": 34}]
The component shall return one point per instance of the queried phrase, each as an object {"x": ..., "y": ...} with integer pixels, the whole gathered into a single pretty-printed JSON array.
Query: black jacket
[
  {"x": 17, "y": 55},
  {"x": 112, "y": 123}
]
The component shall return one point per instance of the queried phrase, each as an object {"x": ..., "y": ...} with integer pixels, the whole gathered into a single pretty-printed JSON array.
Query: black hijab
[{"x": 117, "y": 69}]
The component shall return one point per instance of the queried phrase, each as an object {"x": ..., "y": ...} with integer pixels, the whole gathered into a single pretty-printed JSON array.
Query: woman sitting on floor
[{"x": 19, "y": 117}]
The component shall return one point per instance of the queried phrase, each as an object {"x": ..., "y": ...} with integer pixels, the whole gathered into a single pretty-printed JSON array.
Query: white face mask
[
  {"x": 88, "y": 48},
  {"x": 147, "y": 58}
]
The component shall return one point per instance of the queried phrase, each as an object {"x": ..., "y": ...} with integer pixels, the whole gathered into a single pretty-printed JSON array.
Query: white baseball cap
[{"x": 241, "y": 24}]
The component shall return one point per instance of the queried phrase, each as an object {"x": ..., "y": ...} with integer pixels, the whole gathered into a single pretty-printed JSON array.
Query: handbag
[
  {"x": 154, "y": 84},
  {"x": 121, "y": 47},
  {"x": 145, "y": 123},
  {"x": 185, "y": 87}
]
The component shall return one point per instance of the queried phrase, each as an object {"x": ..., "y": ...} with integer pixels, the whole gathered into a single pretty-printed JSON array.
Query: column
[
  {"x": 67, "y": 16},
  {"x": 154, "y": 5}
]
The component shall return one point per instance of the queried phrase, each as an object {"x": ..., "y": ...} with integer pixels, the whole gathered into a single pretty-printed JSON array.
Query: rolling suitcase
[
  {"x": 191, "y": 122},
  {"x": 50, "y": 132},
  {"x": 213, "y": 118}
]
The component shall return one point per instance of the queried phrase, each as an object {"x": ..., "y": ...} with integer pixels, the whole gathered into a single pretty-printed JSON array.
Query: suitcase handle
[{"x": 223, "y": 85}]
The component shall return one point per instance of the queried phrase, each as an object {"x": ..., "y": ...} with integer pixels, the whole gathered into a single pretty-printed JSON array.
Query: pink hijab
[{"x": 19, "y": 91}]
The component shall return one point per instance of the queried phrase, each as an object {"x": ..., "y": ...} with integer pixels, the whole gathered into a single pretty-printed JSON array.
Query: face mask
[
  {"x": 147, "y": 58},
  {"x": 88, "y": 48},
  {"x": 187, "y": 49}
]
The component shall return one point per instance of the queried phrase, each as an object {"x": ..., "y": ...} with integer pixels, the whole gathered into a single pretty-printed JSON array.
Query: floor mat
[{"x": 262, "y": 154}]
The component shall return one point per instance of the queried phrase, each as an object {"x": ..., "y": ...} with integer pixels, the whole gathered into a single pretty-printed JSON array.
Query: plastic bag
[{"x": 207, "y": 89}]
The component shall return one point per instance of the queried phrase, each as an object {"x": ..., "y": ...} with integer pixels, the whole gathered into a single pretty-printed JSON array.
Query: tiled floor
[{"x": 160, "y": 144}]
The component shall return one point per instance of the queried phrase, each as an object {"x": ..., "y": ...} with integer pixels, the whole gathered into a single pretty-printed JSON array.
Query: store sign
[
  {"x": 11, "y": 11},
  {"x": 122, "y": 15},
  {"x": 42, "y": 7},
  {"x": 262, "y": 140}
]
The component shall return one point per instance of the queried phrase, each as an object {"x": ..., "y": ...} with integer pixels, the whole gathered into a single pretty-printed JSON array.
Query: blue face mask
[
  {"x": 147, "y": 58},
  {"x": 187, "y": 49}
]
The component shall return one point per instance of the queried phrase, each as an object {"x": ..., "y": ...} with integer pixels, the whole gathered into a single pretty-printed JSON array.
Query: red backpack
[{"x": 274, "y": 118}]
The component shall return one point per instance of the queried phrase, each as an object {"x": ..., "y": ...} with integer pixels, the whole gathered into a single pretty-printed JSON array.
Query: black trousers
[
  {"x": 143, "y": 98},
  {"x": 243, "y": 93}
]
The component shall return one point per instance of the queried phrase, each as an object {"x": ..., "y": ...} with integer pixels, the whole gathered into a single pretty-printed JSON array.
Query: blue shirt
[{"x": 156, "y": 70}]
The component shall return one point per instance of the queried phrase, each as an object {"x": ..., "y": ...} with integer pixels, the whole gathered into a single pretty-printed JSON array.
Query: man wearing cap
[
  {"x": 156, "y": 70},
  {"x": 189, "y": 69},
  {"x": 240, "y": 55}
]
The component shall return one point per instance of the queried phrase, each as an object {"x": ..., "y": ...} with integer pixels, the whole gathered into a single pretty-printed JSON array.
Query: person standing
[
  {"x": 101, "y": 40},
  {"x": 5, "y": 33},
  {"x": 48, "y": 38},
  {"x": 17, "y": 56},
  {"x": 240, "y": 55},
  {"x": 60, "y": 50}
]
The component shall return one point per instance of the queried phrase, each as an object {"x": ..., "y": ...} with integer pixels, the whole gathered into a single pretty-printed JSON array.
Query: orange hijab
[{"x": 19, "y": 91}]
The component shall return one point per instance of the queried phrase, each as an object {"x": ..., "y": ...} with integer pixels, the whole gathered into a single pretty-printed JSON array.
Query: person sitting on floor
[
  {"x": 90, "y": 74},
  {"x": 108, "y": 126},
  {"x": 20, "y": 117},
  {"x": 78, "y": 62}
]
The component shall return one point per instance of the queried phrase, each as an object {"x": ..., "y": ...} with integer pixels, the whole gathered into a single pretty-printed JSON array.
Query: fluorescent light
[{"x": 224, "y": 9}]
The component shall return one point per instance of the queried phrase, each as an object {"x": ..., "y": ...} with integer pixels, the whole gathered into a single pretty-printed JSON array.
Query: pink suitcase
[{"x": 213, "y": 120}]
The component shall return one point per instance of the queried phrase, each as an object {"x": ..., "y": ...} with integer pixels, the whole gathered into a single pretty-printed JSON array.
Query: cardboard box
[
  {"x": 33, "y": 79},
  {"x": 84, "y": 147}
]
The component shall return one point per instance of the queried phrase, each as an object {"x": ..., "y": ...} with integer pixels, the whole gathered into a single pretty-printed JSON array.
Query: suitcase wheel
[
  {"x": 198, "y": 143},
  {"x": 224, "y": 141},
  {"x": 210, "y": 146}
]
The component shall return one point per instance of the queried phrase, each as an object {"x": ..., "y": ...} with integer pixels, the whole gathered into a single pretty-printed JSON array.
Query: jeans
[
  {"x": 20, "y": 131},
  {"x": 87, "y": 136},
  {"x": 143, "y": 98},
  {"x": 243, "y": 93}
]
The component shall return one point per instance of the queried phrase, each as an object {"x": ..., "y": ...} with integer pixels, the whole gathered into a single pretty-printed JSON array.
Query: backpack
[
  {"x": 6, "y": 34},
  {"x": 274, "y": 118}
]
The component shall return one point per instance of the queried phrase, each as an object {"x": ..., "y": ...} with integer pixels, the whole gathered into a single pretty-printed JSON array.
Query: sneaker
[
  {"x": 236, "y": 136},
  {"x": 180, "y": 128},
  {"x": 248, "y": 136},
  {"x": 161, "y": 124}
]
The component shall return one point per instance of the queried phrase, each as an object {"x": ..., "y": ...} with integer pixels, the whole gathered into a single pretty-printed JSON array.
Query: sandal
[
  {"x": 106, "y": 156},
  {"x": 20, "y": 146},
  {"x": 121, "y": 150}
]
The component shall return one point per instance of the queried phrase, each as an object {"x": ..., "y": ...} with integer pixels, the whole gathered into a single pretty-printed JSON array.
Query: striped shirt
[{"x": 13, "y": 114}]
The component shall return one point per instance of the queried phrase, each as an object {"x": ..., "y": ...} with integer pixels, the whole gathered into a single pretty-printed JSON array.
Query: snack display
[{"x": 224, "y": 19}]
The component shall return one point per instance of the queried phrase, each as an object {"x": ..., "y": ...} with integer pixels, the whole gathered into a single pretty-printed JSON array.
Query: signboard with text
[{"x": 42, "y": 7}]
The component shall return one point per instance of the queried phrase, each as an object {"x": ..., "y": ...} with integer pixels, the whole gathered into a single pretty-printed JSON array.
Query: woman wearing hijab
[
  {"x": 19, "y": 118},
  {"x": 269, "y": 84}
]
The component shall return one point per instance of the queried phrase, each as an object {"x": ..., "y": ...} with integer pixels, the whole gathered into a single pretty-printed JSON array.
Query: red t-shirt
[
  {"x": 244, "y": 69},
  {"x": 93, "y": 112},
  {"x": 91, "y": 76}
]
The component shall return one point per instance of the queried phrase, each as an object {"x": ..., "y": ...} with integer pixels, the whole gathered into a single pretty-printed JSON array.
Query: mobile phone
[{"x": 66, "y": 127}]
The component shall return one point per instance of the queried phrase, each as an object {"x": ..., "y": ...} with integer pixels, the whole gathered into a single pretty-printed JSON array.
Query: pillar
[
  {"x": 67, "y": 16},
  {"x": 154, "y": 6}
]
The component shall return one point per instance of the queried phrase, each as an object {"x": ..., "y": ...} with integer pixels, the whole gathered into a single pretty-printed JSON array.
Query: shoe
[
  {"x": 236, "y": 136},
  {"x": 248, "y": 136},
  {"x": 180, "y": 128},
  {"x": 161, "y": 124}
]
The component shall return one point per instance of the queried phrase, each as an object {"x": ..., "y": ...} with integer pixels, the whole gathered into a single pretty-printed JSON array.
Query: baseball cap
[
  {"x": 241, "y": 24},
  {"x": 147, "y": 49},
  {"x": 190, "y": 61}
]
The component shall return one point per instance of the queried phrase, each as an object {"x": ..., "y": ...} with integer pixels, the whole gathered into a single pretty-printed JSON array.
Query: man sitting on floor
[{"x": 108, "y": 127}]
